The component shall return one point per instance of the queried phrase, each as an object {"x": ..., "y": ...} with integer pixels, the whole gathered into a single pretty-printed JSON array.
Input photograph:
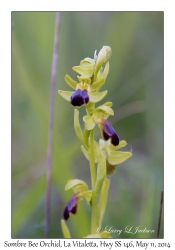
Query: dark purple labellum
[
  {"x": 79, "y": 98},
  {"x": 71, "y": 206},
  {"x": 109, "y": 133}
]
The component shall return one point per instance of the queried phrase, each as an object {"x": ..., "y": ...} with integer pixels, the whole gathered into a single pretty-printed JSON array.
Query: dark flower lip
[
  {"x": 110, "y": 133},
  {"x": 79, "y": 98},
  {"x": 71, "y": 207}
]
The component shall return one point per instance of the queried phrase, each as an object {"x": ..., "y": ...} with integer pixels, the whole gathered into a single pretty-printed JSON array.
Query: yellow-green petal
[
  {"x": 65, "y": 229},
  {"x": 121, "y": 145},
  {"x": 65, "y": 94},
  {"x": 89, "y": 122},
  {"x": 76, "y": 182},
  {"x": 117, "y": 157},
  {"x": 87, "y": 195},
  {"x": 85, "y": 70},
  {"x": 97, "y": 96},
  {"x": 106, "y": 109},
  {"x": 109, "y": 104},
  {"x": 97, "y": 84},
  {"x": 87, "y": 80},
  {"x": 87, "y": 61},
  {"x": 71, "y": 82}
]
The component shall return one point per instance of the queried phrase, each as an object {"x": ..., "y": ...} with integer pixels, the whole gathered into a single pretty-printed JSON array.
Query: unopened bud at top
[{"x": 103, "y": 57}]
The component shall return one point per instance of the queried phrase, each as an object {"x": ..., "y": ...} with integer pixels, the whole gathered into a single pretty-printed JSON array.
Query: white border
[{"x": 5, "y": 93}]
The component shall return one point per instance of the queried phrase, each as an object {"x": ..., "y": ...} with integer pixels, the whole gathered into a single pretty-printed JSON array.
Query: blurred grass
[{"x": 135, "y": 86}]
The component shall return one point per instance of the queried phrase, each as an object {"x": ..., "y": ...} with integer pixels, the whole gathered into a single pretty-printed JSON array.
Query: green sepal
[
  {"x": 65, "y": 94},
  {"x": 87, "y": 61},
  {"x": 103, "y": 199},
  {"x": 101, "y": 173},
  {"x": 71, "y": 82},
  {"x": 106, "y": 109},
  {"x": 110, "y": 169},
  {"x": 96, "y": 85},
  {"x": 85, "y": 70},
  {"x": 99, "y": 73},
  {"x": 122, "y": 144},
  {"x": 109, "y": 104},
  {"x": 89, "y": 122},
  {"x": 77, "y": 185},
  {"x": 77, "y": 127},
  {"x": 84, "y": 79},
  {"x": 105, "y": 71},
  {"x": 97, "y": 96},
  {"x": 65, "y": 230},
  {"x": 117, "y": 157},
  {"x": 87, "y": 195}
]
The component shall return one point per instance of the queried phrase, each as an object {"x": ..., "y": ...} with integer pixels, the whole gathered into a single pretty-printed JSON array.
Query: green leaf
[
  {"x": 65, "y": 229},
  {"x": 76, "y": 182},
  {"x": 101, "y": 173},
  {"x": 97, "y": 84},
  {"x": 97, "y": 96},
  {"x": 85, "y": 70},
  {"x": 65, "y": 94},
  {"x": 70, "y": 82},
  {"x": 77, "y": 127},
  {"x": 103, "y": 199},
  {"x": 117, "y": 157}
]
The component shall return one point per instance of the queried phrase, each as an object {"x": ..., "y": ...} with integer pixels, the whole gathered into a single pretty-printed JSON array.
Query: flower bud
[{"x": 103, "y": 57}]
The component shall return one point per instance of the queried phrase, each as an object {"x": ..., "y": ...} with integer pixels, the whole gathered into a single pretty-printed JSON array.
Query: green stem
[
  {"x": 93, "y": 181},
  {"x": 103, "y": 199},
  {"x": 92, "y": 160}
]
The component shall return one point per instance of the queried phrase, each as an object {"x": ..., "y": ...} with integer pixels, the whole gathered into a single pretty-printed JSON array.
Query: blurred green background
[{"x": 135, "y": 86}]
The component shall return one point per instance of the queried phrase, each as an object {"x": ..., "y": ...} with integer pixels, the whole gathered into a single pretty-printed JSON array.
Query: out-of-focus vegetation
[{"x": 135, "y": 86}]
